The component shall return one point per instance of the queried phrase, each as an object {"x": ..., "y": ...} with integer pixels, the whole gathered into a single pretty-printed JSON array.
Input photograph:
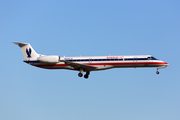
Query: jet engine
[{"x": 49, "y": 59}]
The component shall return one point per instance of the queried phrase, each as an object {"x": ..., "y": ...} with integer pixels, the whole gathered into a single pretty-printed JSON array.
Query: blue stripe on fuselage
[{"x": 84, "y": 60}]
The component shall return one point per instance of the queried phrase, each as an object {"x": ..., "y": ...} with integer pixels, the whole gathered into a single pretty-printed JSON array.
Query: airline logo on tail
[{"x": 28, "y": 52}]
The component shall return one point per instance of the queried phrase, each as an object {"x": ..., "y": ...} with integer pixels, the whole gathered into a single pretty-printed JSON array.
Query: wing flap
[{"x": 78, "y": 65}]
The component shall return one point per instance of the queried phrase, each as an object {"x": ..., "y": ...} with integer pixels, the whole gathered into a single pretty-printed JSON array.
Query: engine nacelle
[{"x": 49, "y": 59}]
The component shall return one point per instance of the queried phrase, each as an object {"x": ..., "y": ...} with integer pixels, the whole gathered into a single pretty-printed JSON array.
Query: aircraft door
[
  {"x": 90, "y": 60},
  {"x": 149, "y": 60},
  {"x": 135, "y": 62}
]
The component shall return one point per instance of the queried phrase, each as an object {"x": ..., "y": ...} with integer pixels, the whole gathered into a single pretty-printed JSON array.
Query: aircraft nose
[{"x": 166, "y": 64}]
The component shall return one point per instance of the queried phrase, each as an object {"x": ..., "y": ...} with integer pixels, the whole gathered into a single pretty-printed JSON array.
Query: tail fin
[{"x": 27, "y": 51}]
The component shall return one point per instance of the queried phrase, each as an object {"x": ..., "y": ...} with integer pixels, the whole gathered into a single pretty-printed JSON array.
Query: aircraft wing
[{"x": 78, "y": 65}]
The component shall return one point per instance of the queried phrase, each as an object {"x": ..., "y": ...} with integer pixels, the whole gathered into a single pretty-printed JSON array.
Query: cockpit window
[{"x": 152, "y": 58}]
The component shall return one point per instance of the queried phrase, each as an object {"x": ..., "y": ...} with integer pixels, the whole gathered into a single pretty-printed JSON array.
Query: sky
[{"x": 90, "y": 28}]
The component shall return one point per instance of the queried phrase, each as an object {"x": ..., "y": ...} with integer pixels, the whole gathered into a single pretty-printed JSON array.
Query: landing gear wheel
[
  {"x": 80, "y": 74},
  {"x": 87, "y": 73},
  {"x": 86, "y": 76},
  {"x": 157, "y": 72}
]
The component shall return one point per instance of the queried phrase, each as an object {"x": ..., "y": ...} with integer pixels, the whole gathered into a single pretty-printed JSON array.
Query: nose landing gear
[{"x": 157, "y": 72}]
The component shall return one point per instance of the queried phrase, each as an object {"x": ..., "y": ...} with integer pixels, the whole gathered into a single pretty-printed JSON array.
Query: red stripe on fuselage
[{"x": 97, "y": 64}]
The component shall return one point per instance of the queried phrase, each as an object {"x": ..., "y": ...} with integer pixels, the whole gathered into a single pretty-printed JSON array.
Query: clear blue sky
[{"x": 90, "y": 28}]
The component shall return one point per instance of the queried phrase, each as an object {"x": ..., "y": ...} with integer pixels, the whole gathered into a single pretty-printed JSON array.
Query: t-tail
[
  {"x": 31, "y": 56},
  {"x": 28, "y": 52}
]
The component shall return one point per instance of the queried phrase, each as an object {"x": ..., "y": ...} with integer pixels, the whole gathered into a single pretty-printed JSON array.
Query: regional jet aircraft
[{"x": 88, "y": 64}]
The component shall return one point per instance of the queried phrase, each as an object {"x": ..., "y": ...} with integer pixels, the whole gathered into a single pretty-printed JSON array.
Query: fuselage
[
  {"x": 88, "y": 64},
  {"x": 104, "y": 62}
]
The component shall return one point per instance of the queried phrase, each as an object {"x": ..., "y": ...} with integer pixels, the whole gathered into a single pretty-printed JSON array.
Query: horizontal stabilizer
[{"x": 20, "y": 44}]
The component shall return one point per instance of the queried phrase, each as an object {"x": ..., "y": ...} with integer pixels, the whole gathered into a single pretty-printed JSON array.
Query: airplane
[{"x": 87, "y": 64}]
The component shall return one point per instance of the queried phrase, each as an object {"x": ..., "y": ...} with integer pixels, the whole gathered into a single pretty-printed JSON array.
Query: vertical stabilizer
[{"x": 27, "y": 51}]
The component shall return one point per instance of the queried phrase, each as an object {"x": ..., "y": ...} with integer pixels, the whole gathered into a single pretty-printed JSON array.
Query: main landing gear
[
  {"x": 86, "y": 75},
  {"x": 80, "y": 74}
]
